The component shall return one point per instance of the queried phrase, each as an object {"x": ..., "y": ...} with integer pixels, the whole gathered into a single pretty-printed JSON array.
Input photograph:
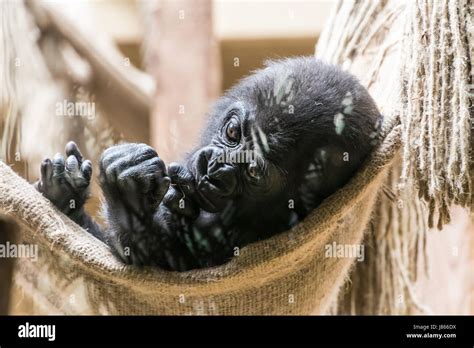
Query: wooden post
[{"x": 183, "y": 58}]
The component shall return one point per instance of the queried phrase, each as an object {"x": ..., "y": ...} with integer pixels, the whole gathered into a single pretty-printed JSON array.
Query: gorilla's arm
[
  {"x": 148, "y": 221},
  {"x": 197, "y": 213}
]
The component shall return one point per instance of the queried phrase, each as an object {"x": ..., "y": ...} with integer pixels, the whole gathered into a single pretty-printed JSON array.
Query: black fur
[{"x": 306, "y": 126}]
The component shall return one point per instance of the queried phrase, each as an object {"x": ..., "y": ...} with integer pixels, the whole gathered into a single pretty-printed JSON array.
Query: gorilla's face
[
  {"x": 236, "y": 163},
  {"x": 294, "y": 130}
]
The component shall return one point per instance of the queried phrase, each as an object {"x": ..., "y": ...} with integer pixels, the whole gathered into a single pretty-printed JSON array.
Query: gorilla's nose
[{"x": 223, "y": 176}]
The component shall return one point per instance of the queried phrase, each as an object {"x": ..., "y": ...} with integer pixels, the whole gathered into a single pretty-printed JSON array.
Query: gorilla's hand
[
  {"x": 180, "y": 198},
  {"x": 66, "y": 182},
  {"x": 133, "y": 178}
]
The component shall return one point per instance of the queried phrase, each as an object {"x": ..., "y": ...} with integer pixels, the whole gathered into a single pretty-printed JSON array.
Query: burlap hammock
[{"x": 291, "y": 272}]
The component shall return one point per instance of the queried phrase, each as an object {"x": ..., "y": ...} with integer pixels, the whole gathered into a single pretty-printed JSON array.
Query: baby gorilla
[{"x": 276, "y": 145}]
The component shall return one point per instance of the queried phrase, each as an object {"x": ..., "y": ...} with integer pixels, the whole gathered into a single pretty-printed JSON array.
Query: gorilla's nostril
[{"x": 217, "y": 183}]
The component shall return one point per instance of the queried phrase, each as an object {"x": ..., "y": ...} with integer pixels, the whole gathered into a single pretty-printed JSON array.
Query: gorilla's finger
[
  {"x": 58, "y": 165},
  {"x": 74, "y": 175},
  {"x": 73, "y": 150},
  {"x": 146, "y": 174},
  {"x": 175, "y": 201},
  {"x": 111, "y": 154},
  {"x": 134, "y": 153},
  {"x": 162, "y": 166},
  {"x": 46, "y": 171},
  {"x": 163, "y": 187},
  {"x": 145, "y": 168},
  {"x": 112, "y": 171},
  {"x": 182, "y": 177},
  {"x": 179, "y": 173},
  {"x": 86, "y": 170},
  {"x": 72, "y": 165},
  {"x": 140, "y": 153}
]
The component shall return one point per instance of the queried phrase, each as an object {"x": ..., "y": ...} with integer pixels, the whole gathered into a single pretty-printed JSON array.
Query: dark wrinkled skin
[{"x": 195, "y": 214}]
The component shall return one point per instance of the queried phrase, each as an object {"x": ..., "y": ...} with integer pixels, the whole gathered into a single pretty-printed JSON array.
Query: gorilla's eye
[
  {"x": 253, "y": 170},
  {"x": 233, "y": 131}
]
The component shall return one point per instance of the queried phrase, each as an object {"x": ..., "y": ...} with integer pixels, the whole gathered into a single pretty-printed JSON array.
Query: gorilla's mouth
[
  {"x": 209, "y": 195},
  {"x": 215, "y": 182}
]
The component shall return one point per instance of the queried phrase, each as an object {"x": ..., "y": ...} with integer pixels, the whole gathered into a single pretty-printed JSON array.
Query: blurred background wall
[
  {"x": 252, "y": 31},
  {"x": 242, "y": 34}
]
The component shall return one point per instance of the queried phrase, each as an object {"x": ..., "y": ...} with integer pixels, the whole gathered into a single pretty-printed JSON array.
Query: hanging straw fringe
[
  {"x": 27, "y": 91},
  {"x": 395, "y": 256},
  {"x": 436, "y": 112},
  {"x": 431, "y": 42},
  {"x": 9, "y": 126}
]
